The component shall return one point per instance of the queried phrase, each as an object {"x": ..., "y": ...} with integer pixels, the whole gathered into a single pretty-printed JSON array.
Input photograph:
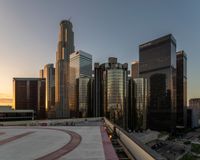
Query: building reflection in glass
[
  {"x": 158, "y": 64},
  {"x": 111, "y": 82},
  {"x": 80, "y": 74},
  {"x": 140, "y": 96},
  {"x": 181, "y": 89}
]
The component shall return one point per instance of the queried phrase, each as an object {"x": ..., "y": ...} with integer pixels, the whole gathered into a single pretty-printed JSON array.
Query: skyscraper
[
  {"x": 135, "y": 69},
  {"x": 64, "y": 49},
  {"x": 111, "y": 90},
  {"x": 97, "y": 108},
  {"x": 158, "y": 65},
  {"x": 29, "y": 94},
  {"x": 80, "y": 74},
  {"x": 140, "y": 107},
  {"x": 49, "y": 75},
  {"x": 181, "y": 64}
]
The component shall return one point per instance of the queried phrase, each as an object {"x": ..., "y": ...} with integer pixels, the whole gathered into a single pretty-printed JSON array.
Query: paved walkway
[{"x": 51, "y": 143}]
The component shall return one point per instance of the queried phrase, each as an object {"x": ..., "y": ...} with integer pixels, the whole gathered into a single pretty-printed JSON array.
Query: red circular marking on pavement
[
  {"x": 71, "y": 145},
  {"x": 10, "y": 139},
  {"x": 2, "y": 133}
]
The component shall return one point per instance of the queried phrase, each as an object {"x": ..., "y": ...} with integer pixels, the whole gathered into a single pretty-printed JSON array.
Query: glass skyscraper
[
  {"x": 64, "y": 49},
  {"x": 111, "y": 90},
  {"x": 181, "y": 88},
  {"x": 49, "y": 75},
  {"x": 80, "y": 74},
  {"x": 140, "y": 106},
  {"x": 158, "y": 65}
]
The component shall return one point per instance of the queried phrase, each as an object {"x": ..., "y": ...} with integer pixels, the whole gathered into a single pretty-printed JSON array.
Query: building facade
[
  {"x": 49, "y": 75},
  {"x": 194, "y": 105},
  {"x": 111, "y": 90},
  {"x": 158, "y": 65},
  {"x": 83, "y": 97},
  {"x": 29, "y": 94},
  {"x": 135, "y": 69},
  {"x": 140, "y": 106},
  {"x": 80, "y": 74},
  {"x": 181, "y": 64},
  {"x": 9, "y": 114},
  {"x": 64, "y": 49}
]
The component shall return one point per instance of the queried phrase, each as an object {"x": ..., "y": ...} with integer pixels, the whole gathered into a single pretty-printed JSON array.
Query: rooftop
[
  {"x": 87, "y": 141},
  {"x": 158, "y": 41}
]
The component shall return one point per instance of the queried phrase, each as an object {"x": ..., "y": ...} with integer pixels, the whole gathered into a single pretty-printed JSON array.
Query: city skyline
[{"x": 100, "y": 40}]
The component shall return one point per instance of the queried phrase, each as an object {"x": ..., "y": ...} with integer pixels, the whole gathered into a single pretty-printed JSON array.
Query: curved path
[{"x": 71, "y": 145}]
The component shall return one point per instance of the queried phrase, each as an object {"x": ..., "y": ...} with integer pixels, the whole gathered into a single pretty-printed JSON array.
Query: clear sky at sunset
[{"x": 103, "y": 28}]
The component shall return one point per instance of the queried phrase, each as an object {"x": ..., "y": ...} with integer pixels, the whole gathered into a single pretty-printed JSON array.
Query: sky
[{"x": 103, "y": 28}]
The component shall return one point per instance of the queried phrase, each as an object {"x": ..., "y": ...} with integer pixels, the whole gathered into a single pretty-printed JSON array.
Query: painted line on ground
[
  {"x": 10, "y": 139},
  {"x": 71, "y": 145},
  {"x": 1, "y": 133}
]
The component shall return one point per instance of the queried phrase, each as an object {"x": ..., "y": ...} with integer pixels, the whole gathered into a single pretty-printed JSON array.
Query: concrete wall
[{"x": 138, "y": 150}]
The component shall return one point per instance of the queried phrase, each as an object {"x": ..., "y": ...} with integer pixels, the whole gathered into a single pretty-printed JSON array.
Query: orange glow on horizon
[{"x": 6, "y": 99}]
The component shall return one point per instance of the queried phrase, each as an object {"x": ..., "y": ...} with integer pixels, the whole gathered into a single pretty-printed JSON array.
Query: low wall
[{"x": 137, "y": 149}]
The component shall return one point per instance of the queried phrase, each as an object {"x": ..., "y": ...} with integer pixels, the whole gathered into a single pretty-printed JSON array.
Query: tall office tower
[
  {"x": 49, "y": 75},
  {"x": 64, "y": 49},
  {"x": 158, "y": 65},
  {"x": 181, "y": 81},
  {"x": 29, "y": 93},
  {"x": 140, "y": 97},
  {"x": 80, "y": 74},
  {"x": 131, "y": 104},
  {"x": 91, "y": 96},
  {"x": 97, "y": 109},
  {"x": 135, "y": 69},
  {"x": 111, "y": 87},
  {"x": 83, "y": 96}
]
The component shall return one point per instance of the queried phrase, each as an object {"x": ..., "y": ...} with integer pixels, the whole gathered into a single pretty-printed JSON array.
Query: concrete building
[
  {"x": 64, "y": 49},
  {"x": 9, "y": 114},
  {"x": 111, "y": 90},
  {"x": 29, "y": 94},
  {"x": 80, "y": 74},
  {"x": 135, "y": 69},
  {"x": 181, "y": 82},
  {"x": 158, "y": 65}
]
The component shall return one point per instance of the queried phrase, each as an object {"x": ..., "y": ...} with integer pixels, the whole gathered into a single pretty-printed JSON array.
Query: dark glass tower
[
  {"x": 181, "y": 64},
  {"x": 111, "y": 91},
  {"x": 158, "y": 64},
  {"x": 64, "y": 49}
]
